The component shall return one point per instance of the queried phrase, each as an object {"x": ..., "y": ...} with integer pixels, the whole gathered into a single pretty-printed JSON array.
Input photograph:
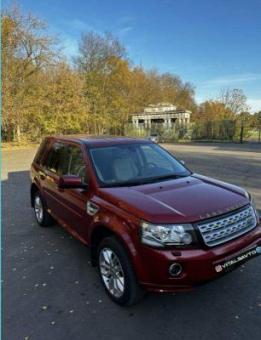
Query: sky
[{"x": 214, "y": 44}]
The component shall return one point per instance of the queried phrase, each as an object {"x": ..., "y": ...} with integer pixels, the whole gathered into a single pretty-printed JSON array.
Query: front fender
[{"x": 126, "y": 230}]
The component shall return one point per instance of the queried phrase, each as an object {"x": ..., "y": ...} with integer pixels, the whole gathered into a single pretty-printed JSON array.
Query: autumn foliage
[{"x": 96, "y": 93}]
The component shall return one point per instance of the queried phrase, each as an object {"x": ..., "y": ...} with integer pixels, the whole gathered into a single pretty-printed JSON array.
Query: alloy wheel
[
  {"x": 38, "y": 208},
  {"x": 111, "y": 272}
]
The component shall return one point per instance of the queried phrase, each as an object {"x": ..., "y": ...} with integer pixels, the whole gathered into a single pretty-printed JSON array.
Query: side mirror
[
  {"x": 182, "y": 162},
  {"x": 71, "y": 182}
]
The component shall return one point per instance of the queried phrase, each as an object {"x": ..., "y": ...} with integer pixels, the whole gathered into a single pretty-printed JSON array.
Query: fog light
[{"x": 175, "y": 269}]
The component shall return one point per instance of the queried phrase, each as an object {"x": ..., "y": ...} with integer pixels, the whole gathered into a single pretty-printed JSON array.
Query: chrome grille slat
[{"x": 226, "y": 228}]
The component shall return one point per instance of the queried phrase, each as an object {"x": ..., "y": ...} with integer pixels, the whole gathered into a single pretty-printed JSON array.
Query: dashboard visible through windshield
[{"x": 135, "y": 164}]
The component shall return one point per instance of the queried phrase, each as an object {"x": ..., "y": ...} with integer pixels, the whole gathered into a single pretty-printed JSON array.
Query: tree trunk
[{"x": 17, "y": 133}]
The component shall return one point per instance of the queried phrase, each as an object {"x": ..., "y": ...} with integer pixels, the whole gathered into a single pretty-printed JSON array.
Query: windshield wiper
[
  {"x": 142, "y": 181},
  {"x": 163, "y": 178}
]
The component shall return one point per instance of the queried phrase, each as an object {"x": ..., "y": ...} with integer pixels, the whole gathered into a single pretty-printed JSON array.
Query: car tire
[
  {"x": 43, "y": 218},
  {"x": 132, "y": 292}
]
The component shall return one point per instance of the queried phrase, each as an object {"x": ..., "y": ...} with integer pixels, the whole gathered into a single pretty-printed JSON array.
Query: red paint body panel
[{"x": 184, "y": 200}]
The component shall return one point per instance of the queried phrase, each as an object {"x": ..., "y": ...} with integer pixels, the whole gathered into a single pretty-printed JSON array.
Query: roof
[{"x": 93, "y": 141}]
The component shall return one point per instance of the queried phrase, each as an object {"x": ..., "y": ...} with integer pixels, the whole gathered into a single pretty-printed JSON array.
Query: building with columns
[{"x": 162, "y": 114}]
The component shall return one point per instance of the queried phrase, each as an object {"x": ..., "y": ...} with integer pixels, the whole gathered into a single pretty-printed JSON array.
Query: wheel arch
[{"x": 101, "y": 231}]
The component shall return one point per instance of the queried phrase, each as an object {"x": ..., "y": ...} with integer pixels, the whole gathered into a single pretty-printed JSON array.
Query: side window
[
  {"x": 77, "y": 165},
  {"x": 58, "y": 159}
]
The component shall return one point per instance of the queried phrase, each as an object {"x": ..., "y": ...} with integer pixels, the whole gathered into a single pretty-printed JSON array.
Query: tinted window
[
  {"x": 58, "y": 159},
  {"x": 65, "y": 159}
]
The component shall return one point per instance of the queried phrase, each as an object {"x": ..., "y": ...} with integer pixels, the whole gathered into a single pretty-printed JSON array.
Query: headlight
[{"x": 167, "y": 234}]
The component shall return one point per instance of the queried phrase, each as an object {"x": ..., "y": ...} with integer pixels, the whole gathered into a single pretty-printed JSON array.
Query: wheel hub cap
[
  {"x": 111, "y": 272},
  {"x": 38, "y": 208}
]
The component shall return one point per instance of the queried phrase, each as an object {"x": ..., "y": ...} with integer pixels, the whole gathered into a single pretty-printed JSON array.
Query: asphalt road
[{"x": 50, "y": 290}]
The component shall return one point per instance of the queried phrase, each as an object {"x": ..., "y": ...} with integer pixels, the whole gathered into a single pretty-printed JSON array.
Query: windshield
[{"x": 135, "y": 164}]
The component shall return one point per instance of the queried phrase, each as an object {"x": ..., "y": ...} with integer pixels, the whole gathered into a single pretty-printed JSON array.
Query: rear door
[{"x": 53, "y": 165}]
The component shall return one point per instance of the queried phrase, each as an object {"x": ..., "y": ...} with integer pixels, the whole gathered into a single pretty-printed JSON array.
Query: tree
[
  {"x": 235, "y": 100},
  {"x": 213, "y": 120},
  {"x": 59, "y": 107},
  {"x": 96, "y": 50},
  {"x": 213, "y": 110},
  {"x": 100, "y": 60},
  {"x": 173, "y": 90},
  {"x": 256, "y": 123},
  {"x": 25, "y": 51}
]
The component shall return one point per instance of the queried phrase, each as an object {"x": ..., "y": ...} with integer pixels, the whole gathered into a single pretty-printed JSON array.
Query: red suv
[{"x": 150, "y": 222}]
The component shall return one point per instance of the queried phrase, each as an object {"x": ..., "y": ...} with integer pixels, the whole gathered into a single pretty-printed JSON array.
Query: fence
[{"x": 219, "y": 130}]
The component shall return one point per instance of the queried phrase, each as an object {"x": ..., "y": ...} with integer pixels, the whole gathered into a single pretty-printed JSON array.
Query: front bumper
[{"x": 199, "y": 265}]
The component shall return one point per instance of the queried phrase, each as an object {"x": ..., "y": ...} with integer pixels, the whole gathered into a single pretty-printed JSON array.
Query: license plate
[{"x": 228, "y": 265}]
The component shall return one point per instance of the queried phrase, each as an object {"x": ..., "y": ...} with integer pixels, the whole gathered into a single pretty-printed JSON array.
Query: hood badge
[{"x": 220, "y": 212}]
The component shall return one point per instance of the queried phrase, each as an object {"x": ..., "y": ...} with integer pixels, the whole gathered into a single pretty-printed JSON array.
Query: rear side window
[{"x": 57, "y": 160}]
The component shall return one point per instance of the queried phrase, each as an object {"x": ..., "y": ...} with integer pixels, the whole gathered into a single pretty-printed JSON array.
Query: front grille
[{"x": 225, "y": 228}]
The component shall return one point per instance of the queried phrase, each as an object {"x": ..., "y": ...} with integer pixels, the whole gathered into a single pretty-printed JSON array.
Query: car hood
[{"x": 181, "y": 200}]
